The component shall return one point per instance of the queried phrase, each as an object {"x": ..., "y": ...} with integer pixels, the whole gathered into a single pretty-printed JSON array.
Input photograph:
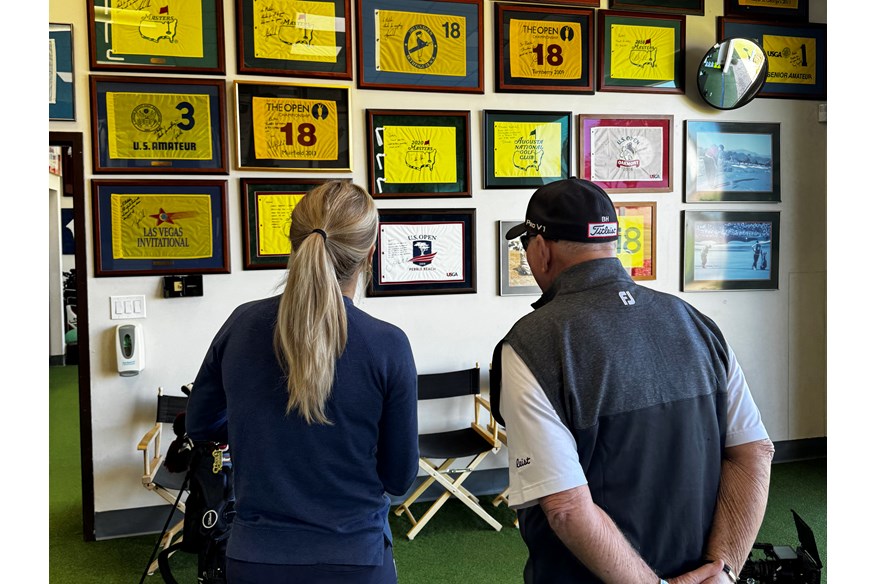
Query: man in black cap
[{"x": 636, "y": 452}]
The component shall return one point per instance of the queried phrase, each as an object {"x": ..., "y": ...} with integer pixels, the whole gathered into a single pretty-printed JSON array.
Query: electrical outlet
[{"x": 125, "y": 307}]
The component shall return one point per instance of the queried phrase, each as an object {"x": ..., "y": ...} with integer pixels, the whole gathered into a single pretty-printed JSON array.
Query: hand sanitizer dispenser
[{"x": 130, "y": 355}]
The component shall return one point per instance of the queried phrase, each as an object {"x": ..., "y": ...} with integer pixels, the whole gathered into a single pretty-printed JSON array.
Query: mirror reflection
[{"x": 731, "y": 73}]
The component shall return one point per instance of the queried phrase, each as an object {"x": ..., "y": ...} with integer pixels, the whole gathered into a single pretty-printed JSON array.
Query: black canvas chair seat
[{"x": 453, "y": 444}]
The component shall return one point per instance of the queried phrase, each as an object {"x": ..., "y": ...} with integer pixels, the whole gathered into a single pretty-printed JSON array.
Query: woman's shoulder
[{"x": 375, "y": 327}]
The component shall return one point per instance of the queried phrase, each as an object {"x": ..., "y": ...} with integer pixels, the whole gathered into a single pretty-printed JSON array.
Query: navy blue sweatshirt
[{"x": 310, "y": 494}]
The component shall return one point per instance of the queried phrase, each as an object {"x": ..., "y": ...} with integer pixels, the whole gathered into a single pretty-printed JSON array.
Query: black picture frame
[
  {"x": 265, "y": 32},
  {"x": 724, "y": 250},
  {"x": 289, "y": 126},
  {"x": 515, "y": 276},
  {"x": 409, "y": 161},
  {"x": 514, "y": 160},
  {"x": 460, "y": 71},
  {"x": 793, "y": 71},
  {"x": 732, "y": 162},
  {"x": 444, "y": 238},
  {"x": 692, "y": 7},
  {"x": 641, "y": 53},
  {"x": 779, "y": 11},
  {"x": 157, "y": 38},
  {"x": 158, "y": 125},
  {"x": 554, "y": 57},
  {"x": 126, "y": 228}
]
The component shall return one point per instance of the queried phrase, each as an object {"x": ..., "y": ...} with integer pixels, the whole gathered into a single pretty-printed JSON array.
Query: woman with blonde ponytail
[{"x": 318, "y": 403}]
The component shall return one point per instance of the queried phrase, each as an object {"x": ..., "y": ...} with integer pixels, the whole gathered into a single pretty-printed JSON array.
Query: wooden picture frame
[
  {"x": 796, "y": 56},
  {"x": 424, "y": 251},
  {"x": 692, "y": 7},
  {"x": 637, "y": 238},
  {"x": 732, "y": 161},
  {"x": 172, "y": 36},
  {"x": 280, "y": 38},
  {"x": 158, "y": 125},
  {"x": 641, "y": 53},
  {"x": 286, "y": 126},
  {"x": 769, "y": 10},
  {"x": 418, "y": 153},
  {"x": 398, "y": 45},
  {"x": 729, "y": 250},
  {"x": 62, "y": 94},
  {"x": 544, "y": 50},
  {"x": 266, "y": 213},
  {"x": 160, "y": 227},
  {"x": 626, "y": 153},
  {"x": 525, "y": 149},
  {"x": 515, "y": 276}
]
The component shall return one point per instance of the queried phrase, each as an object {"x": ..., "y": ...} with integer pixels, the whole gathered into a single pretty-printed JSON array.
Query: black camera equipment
[{"x": 777, "y": 564}]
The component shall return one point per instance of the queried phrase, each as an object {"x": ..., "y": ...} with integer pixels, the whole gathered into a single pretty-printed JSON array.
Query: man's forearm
[{"x": 742, "y": 500}]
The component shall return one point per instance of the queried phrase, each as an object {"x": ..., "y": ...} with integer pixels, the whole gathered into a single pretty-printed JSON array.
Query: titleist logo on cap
[{"x": 602, "y": 229}]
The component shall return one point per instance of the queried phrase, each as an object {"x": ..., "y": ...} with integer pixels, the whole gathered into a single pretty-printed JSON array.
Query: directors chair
[{"x": 447, "y": 447}]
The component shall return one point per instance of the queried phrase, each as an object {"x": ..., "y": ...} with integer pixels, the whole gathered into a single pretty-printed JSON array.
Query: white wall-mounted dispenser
[{"x": 130, "y": 353}]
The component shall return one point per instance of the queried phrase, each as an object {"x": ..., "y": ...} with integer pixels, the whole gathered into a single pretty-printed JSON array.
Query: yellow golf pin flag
[
  {"x": 161, "y": 226},
  {"x": 791, "y": 59},
  {"x": 527, "y": 149},
  {"x": 632, "y": 249},
  {"x": 288, "y": 30},
  {"x": 274, "y": 221},
  {"x": 642, "y": 52},
  {"x": 545, "y": 49},
  {"x": 295, "y": 129},
  {"x": 413, "y": 42},
  {"x": 159, "y": 126},
  {"x": 167, "y": 28},
  {"x": 419, "y": 154}
]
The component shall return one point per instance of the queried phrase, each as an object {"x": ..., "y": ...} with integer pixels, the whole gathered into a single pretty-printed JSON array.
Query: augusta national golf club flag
[
  {"x": 414, "y": 42},
  {"x": 161, "y": 226},
  {"x": 527, "y": 149}
]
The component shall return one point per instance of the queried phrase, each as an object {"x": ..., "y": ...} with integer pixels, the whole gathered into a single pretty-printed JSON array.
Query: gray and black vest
[{"x": 640, "y": 379}]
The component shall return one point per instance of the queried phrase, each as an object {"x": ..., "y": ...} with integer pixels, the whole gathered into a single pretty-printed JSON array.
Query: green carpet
[{"x": 455, "y": 547}]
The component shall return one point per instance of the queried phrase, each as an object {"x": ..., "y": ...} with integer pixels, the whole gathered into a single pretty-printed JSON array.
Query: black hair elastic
[{"x": 321, "y": 232}]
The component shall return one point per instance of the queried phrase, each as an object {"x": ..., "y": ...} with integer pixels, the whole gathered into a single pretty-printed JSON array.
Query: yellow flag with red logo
[
  {"x": 274, "y": 221},
  {"x": 419, "y": 154},
  {"x": 168, "y": 28},
  {"x": 791, "y": 59},
  {"x": 171, "y": 226},
  {"x": 289, "y": 30},
  {"x": 527, "y": 149},
  {"x": 642, "y": 52},
  {"x": 544, "y": 49},
  {"x": 295, "y": 129},
  {"x": 159, "y": 126},
  {"x": 414, "y": 42}
]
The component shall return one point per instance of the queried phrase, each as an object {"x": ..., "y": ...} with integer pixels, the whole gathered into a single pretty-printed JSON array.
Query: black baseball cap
[{"x": 573, "y": 209}]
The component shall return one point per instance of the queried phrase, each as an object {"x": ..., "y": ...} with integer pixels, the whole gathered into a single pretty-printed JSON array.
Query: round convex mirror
[{"x": 731, "y": 73}]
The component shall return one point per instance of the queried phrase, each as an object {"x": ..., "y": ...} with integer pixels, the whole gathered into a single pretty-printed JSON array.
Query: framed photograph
[
  {"x": 692, "y": 7},
  {"x": 526, "y": 149},
  {"x": 171, "y": 36},
  {"x": 282, "y": 126},
  {"x": 424, "y": 251},
  {"x": 295, "y": 39},
  {"x": 515, "y": 277},
  {"x": 796, "y": 56},
  {"x": 544, "y": 49},
  {"x": 641, "y": 53},
  {"x": 266, "y": 211},
  {"x": 62, "y": 104},
  {"x": 732, "y": 161},
  {"x": 769, "y": 10},
  {"x": 158, "y": 124},
  {"x": 160, "y": 227},
  {"x": 420, "y": 45},
  {"x": 416, "y": 153},
  {"x": 626, "y": 154},
  {"x": 637, "y": 244},
  {"x": 730, "y": 250}
]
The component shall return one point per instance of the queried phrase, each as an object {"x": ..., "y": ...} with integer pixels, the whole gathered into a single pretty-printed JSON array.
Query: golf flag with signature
[
  {"x": 168, "y": 226},
  {"x": 414, "y": 42}
]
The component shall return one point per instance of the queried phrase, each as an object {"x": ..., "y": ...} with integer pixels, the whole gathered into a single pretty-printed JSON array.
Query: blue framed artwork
[{"x": 61, "y": 94}]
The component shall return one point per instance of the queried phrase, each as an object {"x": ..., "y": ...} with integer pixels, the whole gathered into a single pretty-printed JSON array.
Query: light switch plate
[{"x": 126, "y": 307}]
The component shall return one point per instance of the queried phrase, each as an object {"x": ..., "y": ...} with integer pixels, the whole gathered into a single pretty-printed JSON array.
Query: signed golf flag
[
  {"x": 295, "y": 31},
  {"x": 295, "y": 129},
  {"x": 527, "y": 149},
  {"x": 791, "y": 59},
  {"x": 642, "y": 52},
  {"x": 274, "y": 221},
  {"x": 545, "y": 50},
  {"x": 167, "y": 28},
  {"x": 414, "y": 42},
  {"x": 161, "y": 226},
  {"x": 159, "y": 126},
  {"x": 419, "y": 154}
]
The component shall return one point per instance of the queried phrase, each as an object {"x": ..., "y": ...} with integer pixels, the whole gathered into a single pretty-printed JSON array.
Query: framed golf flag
[
  {"x": 62, "y": 105},
  {"x": 526, "y": 149}
]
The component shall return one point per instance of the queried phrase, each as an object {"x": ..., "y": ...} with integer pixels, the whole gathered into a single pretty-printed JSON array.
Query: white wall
[{"x": 779, "y": 336}]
